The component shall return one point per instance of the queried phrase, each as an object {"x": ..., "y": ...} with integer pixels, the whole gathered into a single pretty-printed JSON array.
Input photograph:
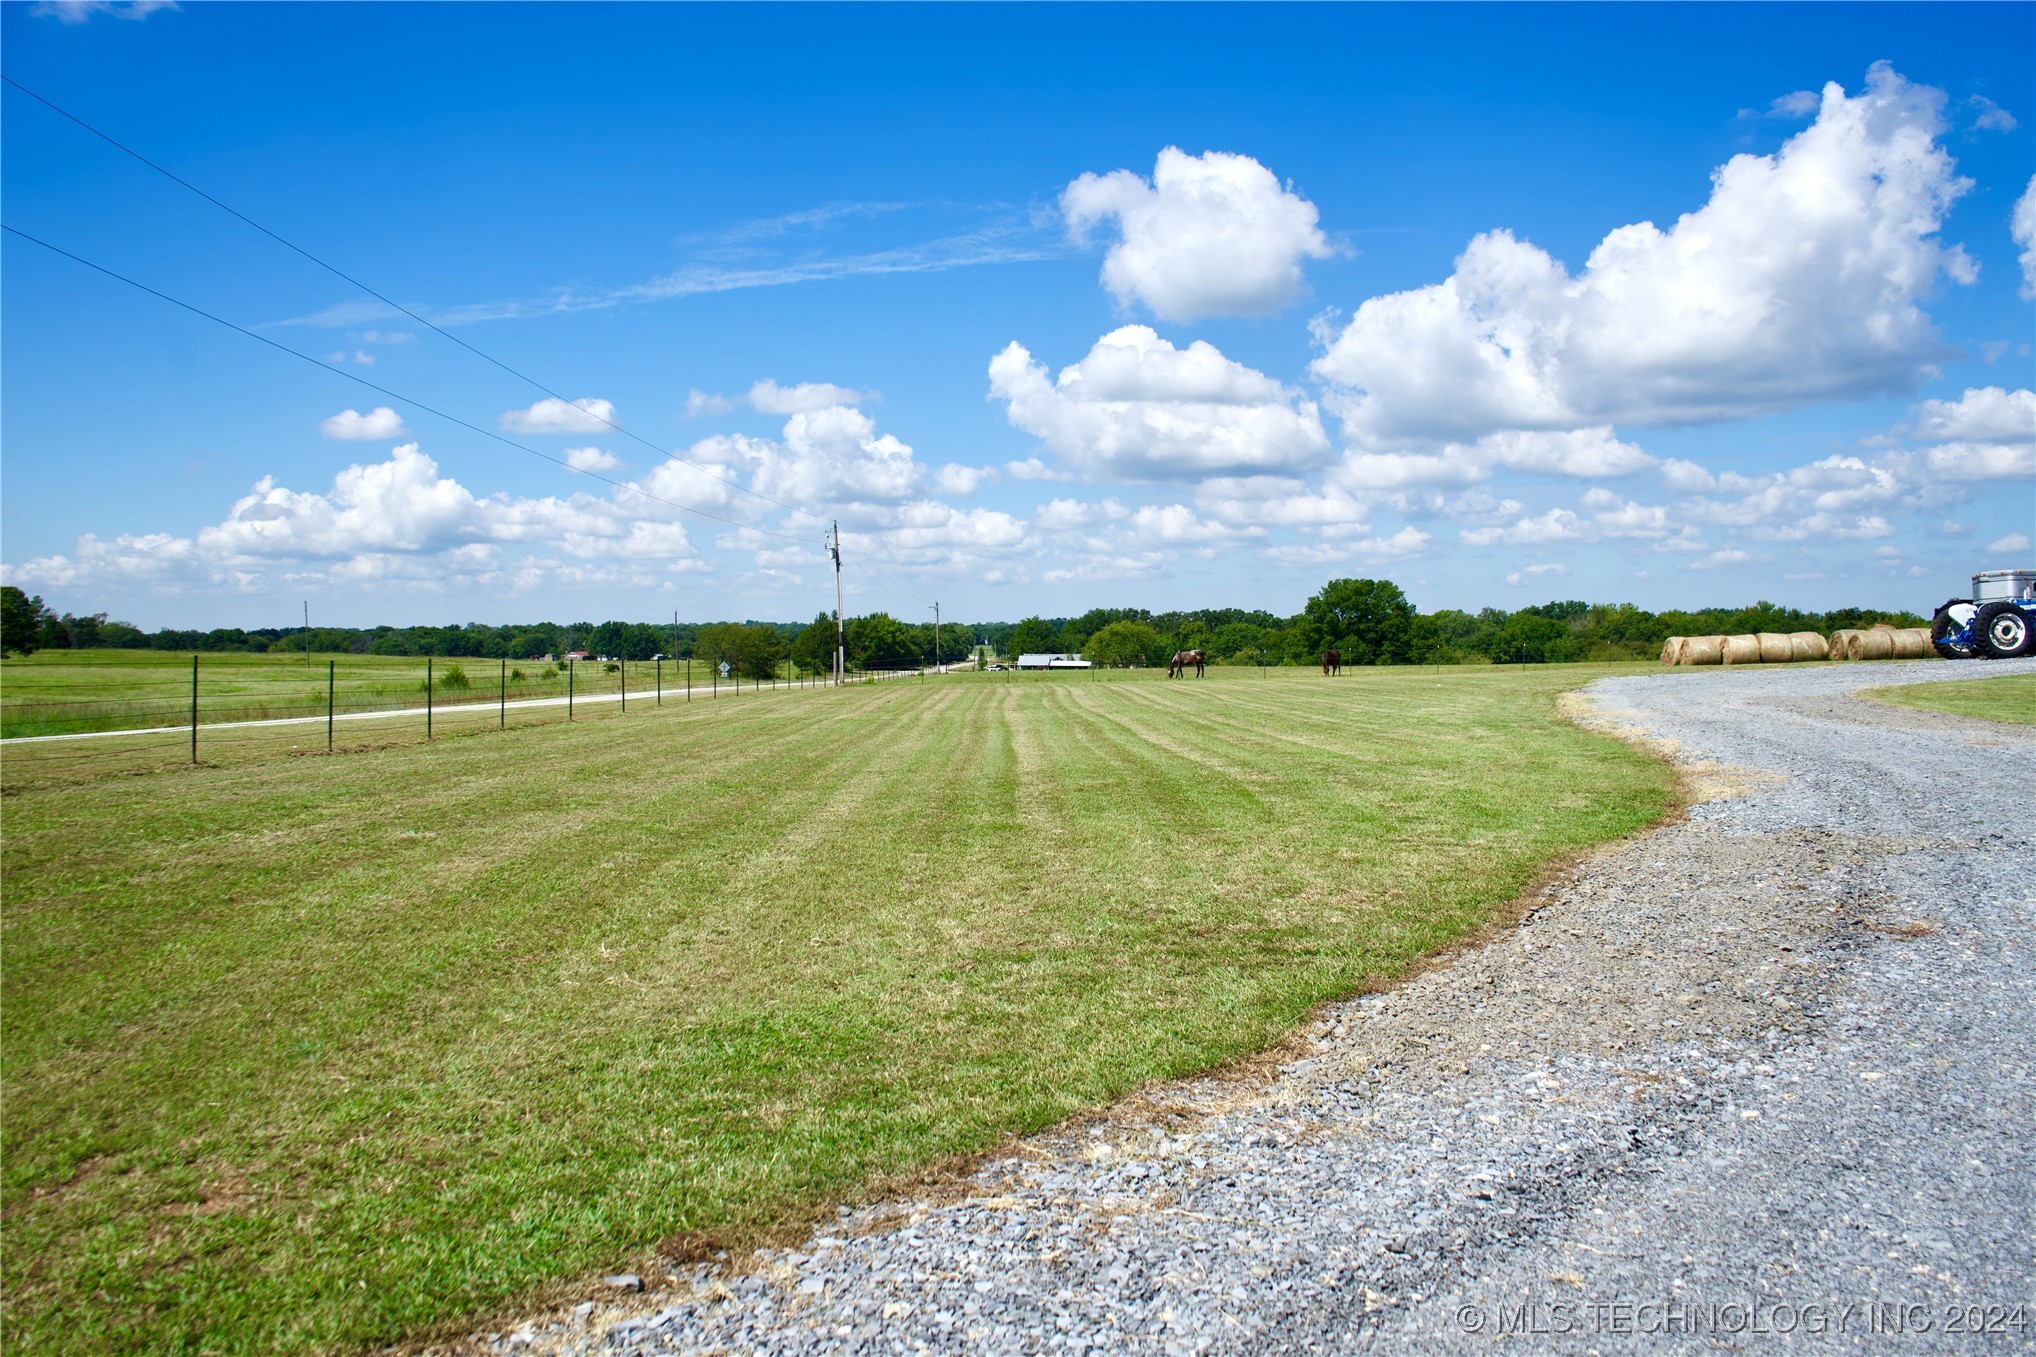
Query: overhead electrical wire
[
  {"x": 624, "y": 486},
  {"x": 348, "y": 278}
]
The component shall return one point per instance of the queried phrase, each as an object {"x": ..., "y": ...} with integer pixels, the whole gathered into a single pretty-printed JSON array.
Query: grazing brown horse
[
  {"x": 1179, "y": 665},
  {"x": 1332, "y": 662}
]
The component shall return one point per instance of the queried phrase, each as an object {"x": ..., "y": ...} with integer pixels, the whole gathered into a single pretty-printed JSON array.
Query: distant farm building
[{"x": 1052, "y": 662}]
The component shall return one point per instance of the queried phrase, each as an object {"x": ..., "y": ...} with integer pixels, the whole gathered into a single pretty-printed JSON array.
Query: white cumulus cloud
[
  {"x": 591, "y": 459},
  {"x": 551, "y": 415},
  {"x": 956, "y": 479},
  {"x": 394, "y": 521},
  {"x": 1208, "y": 235},
  {"x": 1800, "y": 280},
  {"x": 1984, "y": 414},
  {"x": 768, "y": 398},
  {"x": 2022, "y": 227},
  {"x": 826, "y": 455},
  {"x": 2014, "y": 541},
  {"x": 1988, "y": 433},
  {"x": 1557, "y": 525},
  {"x": 1408, "y": 542},
  {"x": 380, "y": 422},
  {"x": 1137, "y": 408},
  {"x": 1527, "y": 572}
]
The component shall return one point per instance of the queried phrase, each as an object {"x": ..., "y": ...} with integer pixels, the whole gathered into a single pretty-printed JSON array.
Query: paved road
[{"x": 1758, "y": 1079}]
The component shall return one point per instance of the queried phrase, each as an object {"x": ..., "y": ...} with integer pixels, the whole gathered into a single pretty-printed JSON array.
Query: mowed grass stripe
[{"x": 319, "y": 1054}]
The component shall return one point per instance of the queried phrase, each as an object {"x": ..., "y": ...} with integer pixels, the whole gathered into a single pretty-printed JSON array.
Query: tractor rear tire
[
  {"x": 1943, "y": 627},
  {"x": 2002, "y": 631}
]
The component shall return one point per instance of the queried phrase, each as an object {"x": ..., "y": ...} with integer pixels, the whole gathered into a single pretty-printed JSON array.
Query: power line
[
  {"x": 625, "y": 486},
  {"x": 897, "y": 598},
  {"x": 911, "y": 600},
  {"x": 348, "y": 278}
]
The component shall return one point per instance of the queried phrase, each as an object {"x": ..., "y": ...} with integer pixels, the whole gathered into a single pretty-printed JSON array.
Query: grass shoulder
[
  {"x": 2008, "y": 697},
  {"x": 324, "y": 1054}
]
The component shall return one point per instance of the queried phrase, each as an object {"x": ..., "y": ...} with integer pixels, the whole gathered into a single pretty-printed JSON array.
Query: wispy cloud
[
  {"x": 744, "y": 256},
  {"x": 81, "y": 11}
]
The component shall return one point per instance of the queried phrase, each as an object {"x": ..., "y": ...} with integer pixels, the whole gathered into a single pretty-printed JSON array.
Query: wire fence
[{"x": 223, "y": 712}]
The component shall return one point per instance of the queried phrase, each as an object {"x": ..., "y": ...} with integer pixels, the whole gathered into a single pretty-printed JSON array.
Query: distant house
[
  {"x": 1055, "y": 661},
  {"x": 577, "y": 655}
]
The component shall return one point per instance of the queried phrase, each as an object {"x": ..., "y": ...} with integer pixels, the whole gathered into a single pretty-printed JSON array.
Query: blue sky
[{"x": 1050, "y": 306}]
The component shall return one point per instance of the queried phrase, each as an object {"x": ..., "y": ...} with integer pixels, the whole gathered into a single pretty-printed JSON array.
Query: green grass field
[
  {"x": 57, "y": 692},
  {"x": 2010, "y": 697},
  {"x": 320, "y": 1053}
]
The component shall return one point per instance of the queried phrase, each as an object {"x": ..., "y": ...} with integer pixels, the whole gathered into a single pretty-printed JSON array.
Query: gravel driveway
[{"x": 1760, "y": 1078}]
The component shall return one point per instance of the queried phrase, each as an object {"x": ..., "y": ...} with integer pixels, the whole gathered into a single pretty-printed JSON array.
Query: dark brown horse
[
  {"x": 1332, "y": 662},
  {"x": 1184, "y": 660}
]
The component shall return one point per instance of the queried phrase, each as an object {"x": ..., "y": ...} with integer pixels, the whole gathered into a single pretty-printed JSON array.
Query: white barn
[{"x": 1044, "y": 661}]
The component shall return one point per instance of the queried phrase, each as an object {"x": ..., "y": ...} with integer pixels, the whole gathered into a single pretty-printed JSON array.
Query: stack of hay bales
[
  {"x": 1741, "y": 649},
  {"x": 1878, "y": 642},
  {"x": 1808, "y": 645},
  {"x": 1702, "y": 650}
]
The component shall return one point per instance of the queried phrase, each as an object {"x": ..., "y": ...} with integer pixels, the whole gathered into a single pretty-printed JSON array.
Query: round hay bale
[
  {"x": 1774, "y": 648},
  {"x": 1876, "y": 643},
  {"x": 1703, "y": 650},
  {"x": 1672, "y": 650},
  {"x": 1841, "y": 643},
  {"x": 1808, "y": 645},
  {"x": 1912, "y": 643},
  {"x": 1742, "y": 650},
  {"x": 1882, "y": 626}
]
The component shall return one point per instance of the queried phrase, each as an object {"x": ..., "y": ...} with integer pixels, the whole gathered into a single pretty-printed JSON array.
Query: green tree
[
  {"x": 720, "y": 643},
  {"x": 880, "y": 641},
  {"x": 1370, "y": 621},
  {"x": 21, "y": 619},
  {"x": 762, "y": 651},
  {"x": 1238, "y": 642},
  {"x": 813, "y": 647},
  {"x": 1033, "y": 636},
  {"x": 1122, "y": 644},
  {"x": 1529, "y": 638}
]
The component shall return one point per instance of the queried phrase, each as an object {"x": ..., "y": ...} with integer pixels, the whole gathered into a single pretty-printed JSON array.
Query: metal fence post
[
  {"x": 194, "y": 709},
  {"x": 331, "y": 670},
  {"x": 660, "y": 683},
  {"x": 625, "y": 683},
  {"x": 427, "y": 699},
  {"x": 689, "y": 678},
  {"x": 502, "y": 695},
  {"x": 569, "y": 690}
]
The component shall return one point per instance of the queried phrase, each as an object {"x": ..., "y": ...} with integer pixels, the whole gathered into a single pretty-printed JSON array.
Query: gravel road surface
[{"x": 1759, "y": 1079}]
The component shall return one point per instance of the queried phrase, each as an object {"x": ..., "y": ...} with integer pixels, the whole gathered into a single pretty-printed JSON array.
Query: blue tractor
[{"x": 1997, "y": 623}]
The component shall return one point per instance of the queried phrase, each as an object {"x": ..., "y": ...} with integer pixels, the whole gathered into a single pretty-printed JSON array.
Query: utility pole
[
  {"x": 936, "y": 634},
  {"x": 840, "y": 640}
]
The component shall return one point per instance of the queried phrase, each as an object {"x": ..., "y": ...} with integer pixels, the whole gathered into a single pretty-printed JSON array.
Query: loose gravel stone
[{"x": 1760, "y": 1077}]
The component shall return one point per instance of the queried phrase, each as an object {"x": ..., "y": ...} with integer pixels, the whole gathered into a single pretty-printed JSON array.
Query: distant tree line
[
  {"x": 1369, "y": 621},
  {"x": 1372, "y": 622}
]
